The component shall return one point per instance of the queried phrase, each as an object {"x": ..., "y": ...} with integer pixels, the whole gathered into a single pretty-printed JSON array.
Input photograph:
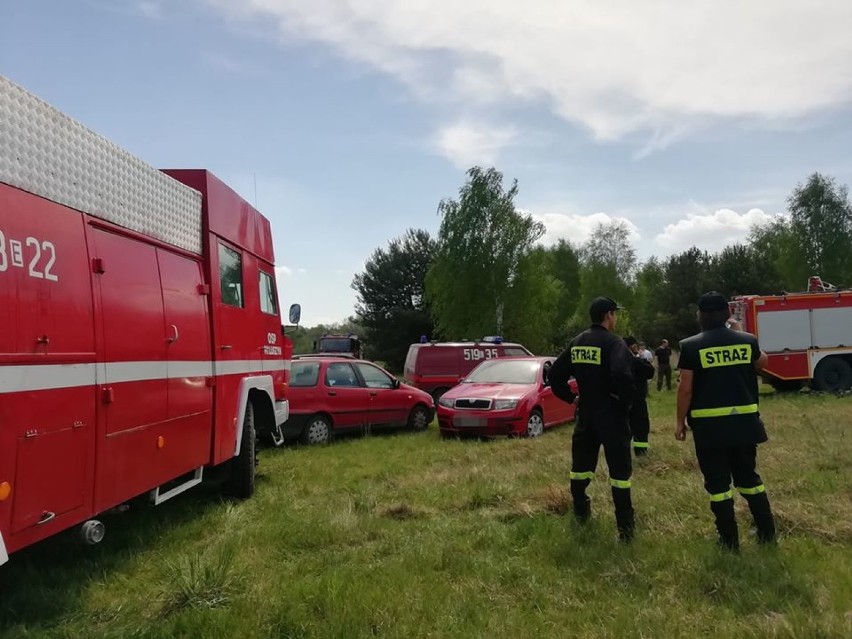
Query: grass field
[{"x": 406, "y": 535}]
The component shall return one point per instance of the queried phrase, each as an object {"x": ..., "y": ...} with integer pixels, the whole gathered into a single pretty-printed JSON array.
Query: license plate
[{"x": 468, "y": 422}]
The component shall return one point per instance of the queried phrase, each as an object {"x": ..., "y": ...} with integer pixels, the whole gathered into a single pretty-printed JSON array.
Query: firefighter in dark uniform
[
  {"x": 718, "y": 399},
  {"x": 603, "y": 367},
  {"x": 640, "y": 422}
]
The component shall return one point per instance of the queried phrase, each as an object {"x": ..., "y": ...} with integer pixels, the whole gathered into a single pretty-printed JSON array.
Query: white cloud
[
  {"x": 151, "y": 9},
  {"x": 468, "y": 143},
  {"x": 710, "y": 231},
  {"x": 283, "y": 271},
  {"x": 656, "y": 68},
  {"x": 578, "y": 228}
]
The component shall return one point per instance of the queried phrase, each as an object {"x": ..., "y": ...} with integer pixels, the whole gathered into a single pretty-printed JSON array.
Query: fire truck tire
[
  {"x": 241, "y": 482},
  {"x": 317, "y": 430},
  {"x": 419, "y": 418},
  {"x": 833, "y": 374}
]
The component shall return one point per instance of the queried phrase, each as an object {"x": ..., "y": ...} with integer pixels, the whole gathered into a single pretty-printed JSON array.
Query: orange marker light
[
  {"x": 5, "y": 490},
  {"x": 161, "y": 441}
]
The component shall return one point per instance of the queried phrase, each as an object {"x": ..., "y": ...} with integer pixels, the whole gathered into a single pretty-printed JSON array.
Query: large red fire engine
[
  {"x": 807, "y": 336},
  {"x": 140, "y": 338}
]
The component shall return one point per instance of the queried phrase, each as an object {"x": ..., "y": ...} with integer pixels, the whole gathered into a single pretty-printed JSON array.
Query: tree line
[{"x": 486, "y": 273}]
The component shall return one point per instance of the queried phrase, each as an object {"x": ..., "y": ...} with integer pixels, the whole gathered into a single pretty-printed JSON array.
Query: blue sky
[{"x": 689, "y": 120}]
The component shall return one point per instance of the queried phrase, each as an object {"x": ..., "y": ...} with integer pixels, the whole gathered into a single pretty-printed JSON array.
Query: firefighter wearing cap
[
  {"x": 603, "y": 367},
  {"x": 718, "y": 400},
  {"x": 640, "y": 422}
]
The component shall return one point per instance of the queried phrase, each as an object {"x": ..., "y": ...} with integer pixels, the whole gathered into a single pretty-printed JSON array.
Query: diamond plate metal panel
[{"x": 47, "y": 153}]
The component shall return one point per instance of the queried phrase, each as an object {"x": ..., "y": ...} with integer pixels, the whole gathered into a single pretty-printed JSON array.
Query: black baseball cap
[
  {"x": 712, "y": 301},
  {"x": 602, "y": 306}
]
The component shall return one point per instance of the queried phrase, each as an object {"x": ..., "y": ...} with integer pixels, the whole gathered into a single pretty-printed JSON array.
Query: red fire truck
[
  {"x": 140, "y": 338},
  {"x": 807, "y": 336}
]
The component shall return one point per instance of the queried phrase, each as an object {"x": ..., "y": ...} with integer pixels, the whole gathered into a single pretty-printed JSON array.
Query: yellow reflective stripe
[
  {"x": 620, "y": 483},
  {"x": 640, "y": 445},
  {"x": 586, "y": 355},
  {"x": 724, "y": 411},
  {"x": 733, "y": 355},
  {"x": 752, "y": 491},
  {"x": 722, "y": 496},
  {"x": 587, "y": 475}
]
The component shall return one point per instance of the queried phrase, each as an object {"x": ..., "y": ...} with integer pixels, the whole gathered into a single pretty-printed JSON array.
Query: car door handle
[
  {"x": 373, "y": 394},
  {"x": 332, "y": 393}
]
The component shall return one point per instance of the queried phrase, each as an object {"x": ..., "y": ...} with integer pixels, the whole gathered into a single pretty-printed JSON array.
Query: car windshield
[{"x": 505, "y": 372}]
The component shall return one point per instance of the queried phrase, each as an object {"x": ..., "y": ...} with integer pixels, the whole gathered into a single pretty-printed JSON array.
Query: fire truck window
[
  {"x": 340, "y": 374},
  {"x": 231, "y": 276},
  {"x": 268, "y": 303},
  {"x": 304, "y": 374},
  {"x": 515, "y": 352},
  {"x": 373, "y": 377}
]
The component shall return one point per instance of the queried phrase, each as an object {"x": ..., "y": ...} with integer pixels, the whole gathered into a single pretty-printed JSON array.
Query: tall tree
[
  {"x": 741, "y": 269},
  {"x": 481, "y": 243},
  {"x": 821, "y": 221},
  {"x": 608, "y": 267},
  {"x": 532, "y": 304},
  {"x": 391, "y": 297}
]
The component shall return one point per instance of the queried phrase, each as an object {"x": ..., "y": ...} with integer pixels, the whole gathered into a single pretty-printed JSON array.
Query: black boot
[
  {"x": 763, "y": 519},
  {"x": 625, "y": 520},
  {"x": 581, "y": 502},
  {"x": 726, "y": 524}
]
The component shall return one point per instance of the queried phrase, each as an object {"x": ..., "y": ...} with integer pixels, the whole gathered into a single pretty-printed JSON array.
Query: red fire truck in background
[
  {"x": 140, "y": 337},
  {"x": 807, "y": 336}
]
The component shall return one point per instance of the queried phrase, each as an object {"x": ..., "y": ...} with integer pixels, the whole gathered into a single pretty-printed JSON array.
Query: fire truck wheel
[
  {"x": 317, "y": 430},
  {"x": 535, "y": 424},
  {"x": 241, "y": 483},
  {"x": 418, "y": 419},
  {"x": 833, "y": 374}
]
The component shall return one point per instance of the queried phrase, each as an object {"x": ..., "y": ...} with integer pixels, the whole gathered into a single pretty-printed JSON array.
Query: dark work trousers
[
  {"x": 640, "y": 424},
  {"x": 664, "y": 371},
  {"x": 604, "y": 424},
  {"x": 720, "y": 465}
]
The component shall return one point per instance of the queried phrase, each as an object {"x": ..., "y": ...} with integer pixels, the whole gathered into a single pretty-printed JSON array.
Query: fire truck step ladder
[{"x": 158, "y": 498}]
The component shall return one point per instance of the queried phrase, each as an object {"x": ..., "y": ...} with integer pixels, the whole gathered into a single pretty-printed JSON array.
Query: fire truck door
[
  {"x": 134, "y": 387},
  {"x": 47, "y": 363},
  {"x": 189, "y": 362}
]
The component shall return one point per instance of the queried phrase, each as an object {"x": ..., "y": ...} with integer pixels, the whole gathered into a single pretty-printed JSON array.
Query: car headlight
[
  {"x": 446, "y": 403},
  {"x": 505, "y": 404}
]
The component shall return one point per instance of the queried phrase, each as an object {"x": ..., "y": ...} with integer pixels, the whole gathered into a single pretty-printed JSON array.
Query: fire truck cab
[
  {"x": 807, "y": 335},
  {"x": 342, "y": 345},
  {"x": 140, "y": 337}
]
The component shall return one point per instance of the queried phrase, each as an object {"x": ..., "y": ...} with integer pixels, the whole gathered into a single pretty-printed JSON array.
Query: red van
[{"x": 436, "y": 367}]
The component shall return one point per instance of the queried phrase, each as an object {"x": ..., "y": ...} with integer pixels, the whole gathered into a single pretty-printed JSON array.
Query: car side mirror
[{"x": 396, "y": 383}]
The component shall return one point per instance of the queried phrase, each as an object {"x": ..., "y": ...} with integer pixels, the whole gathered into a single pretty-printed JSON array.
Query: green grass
[{"x": 408, "y": 535}]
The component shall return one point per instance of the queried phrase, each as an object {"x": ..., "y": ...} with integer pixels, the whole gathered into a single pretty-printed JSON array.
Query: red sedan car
[
  {"x": 504, "y": 397},
  {"x": 329, "y": 394}
]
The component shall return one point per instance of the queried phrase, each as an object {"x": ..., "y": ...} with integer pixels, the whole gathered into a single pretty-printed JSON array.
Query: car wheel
[
  {"x": 535, "y": 424},
  {"x": 317, "y": 430},
  {"x": 419, "y": 418}
]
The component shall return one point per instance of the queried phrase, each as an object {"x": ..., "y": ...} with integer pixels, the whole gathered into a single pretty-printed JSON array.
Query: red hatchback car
[
  {"x": 329, "y": 394},
  {"x": 504, "y": 397}
]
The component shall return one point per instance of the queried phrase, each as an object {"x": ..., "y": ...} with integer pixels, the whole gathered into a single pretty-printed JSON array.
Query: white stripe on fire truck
[{"x": 16, "y": 378}]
